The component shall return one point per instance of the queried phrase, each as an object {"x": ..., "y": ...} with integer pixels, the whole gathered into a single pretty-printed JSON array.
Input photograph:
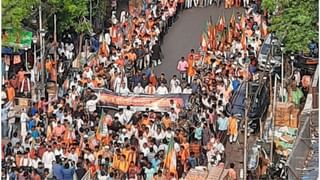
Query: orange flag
[
  {"x": 233, "y": 20},
  {"x": 244, "y": 41},
  {"x": 222, "y": 41},
  {"x": 204, "y": 44},
  {"x": 264, "y": 29},
  {"x": 242, "y": 22},
  {"x": 221, "y": 24},
  {"x": 214, "y": 35},
  {"x": 229, "y": 35}
]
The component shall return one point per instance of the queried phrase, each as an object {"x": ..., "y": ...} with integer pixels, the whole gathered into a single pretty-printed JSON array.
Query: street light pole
[
  {"x": 273, "y": 114},
  {"x": 26, "y": 58},
  {"x": 246, "y": 131},
  {"x": 35, "y": 66},
  {"x": 42, "y": 53},
  {"x": 282, "y": 74},
  {"x": 90, "y": 12}
]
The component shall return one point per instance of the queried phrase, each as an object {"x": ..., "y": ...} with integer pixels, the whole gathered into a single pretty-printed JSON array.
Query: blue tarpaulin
[
  {"x": 9, "y": 51},
  {"x": 6, "y": 50}
]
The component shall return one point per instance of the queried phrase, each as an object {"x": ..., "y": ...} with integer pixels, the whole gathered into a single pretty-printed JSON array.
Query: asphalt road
[{"x": 185, "y": 35}]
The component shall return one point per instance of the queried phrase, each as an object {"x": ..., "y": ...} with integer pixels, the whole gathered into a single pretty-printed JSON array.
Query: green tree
[
  {"x": 15, "y": 11},
  {"x": 294, "y": 22},
  {"x": 72, "y": 15}
]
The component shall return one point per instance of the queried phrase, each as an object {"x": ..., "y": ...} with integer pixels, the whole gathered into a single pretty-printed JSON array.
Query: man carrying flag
[{"x": 170, "y": 161}]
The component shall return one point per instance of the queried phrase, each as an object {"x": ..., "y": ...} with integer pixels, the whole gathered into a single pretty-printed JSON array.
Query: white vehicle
[{"x": 270, "y": 54}]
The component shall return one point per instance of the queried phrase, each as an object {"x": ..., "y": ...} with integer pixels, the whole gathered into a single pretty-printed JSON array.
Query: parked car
[
  {"x": 269, "y": 56},
  {"x": 259, "y": 97}
]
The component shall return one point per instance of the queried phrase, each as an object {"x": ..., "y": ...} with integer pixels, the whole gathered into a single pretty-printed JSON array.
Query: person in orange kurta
[
  {"x": 123, "y": 164},
  {"x": 145, "y": 120},
  {"x": 11, "y": 93},
  {"x": 233, "y": 129},
  {"x": 191, "y": 71},
  {"x": 166, "y": 121},
  {"x": 153, "y": 79}
]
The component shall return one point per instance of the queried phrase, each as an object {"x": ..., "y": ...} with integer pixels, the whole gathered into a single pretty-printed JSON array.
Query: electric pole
[
  {"x": 246, "y": 131},
  {"x": 43, "y": 76}
]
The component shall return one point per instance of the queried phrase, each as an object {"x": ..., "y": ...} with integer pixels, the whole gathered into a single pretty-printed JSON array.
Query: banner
[
  {"x": 17, "y": 39},
  {"x": 160, "y": 103}
]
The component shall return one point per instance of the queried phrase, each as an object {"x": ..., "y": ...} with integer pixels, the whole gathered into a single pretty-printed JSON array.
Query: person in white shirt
[
  {"x": 168, "y": 134},
  {"x": 124, "y": 90},
  {"x": 162, "y": 89},
  {"x": 91, "y": 105},
  {"x": 173, "y": 115},
  {"x": 102, "y": 175},
  {"x": 121, "y": 116},
  {"x": 73, "y": 155},
  {"x": 145, "y": 149},
  {"x": 23, "y": 124},
  {"x": 150, "y": 89},
  {"x": 107, "y": 38},
  {"x": 138, "y": 89},
  {"x": 142, "y": 140},
  {"x": 127, "y": 114},
  {"x": 187, "y": 90},
  {"x": 176, "y": 89},
  {"x": 89, "y": 155},
  {"x": 58, "y": 151},
  {"x": 174, "y": 81},
  {"x": 123, "y": 17},
  {"x": 35, "y": 162},
  {"x": 47, "y": 158},
  {"x": 117, "y": 83}
]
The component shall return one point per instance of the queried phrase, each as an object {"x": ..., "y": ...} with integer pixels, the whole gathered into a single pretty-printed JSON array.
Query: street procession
[{"x": 159, "y": 90}]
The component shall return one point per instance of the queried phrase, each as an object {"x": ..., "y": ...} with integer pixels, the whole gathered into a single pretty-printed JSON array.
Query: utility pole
[
  {"x": 86, "y": 48},
  {"x": 42, "y": 54},
  {"x": 273, "y": 114},
  {"x": 282, "y": 73},
  {"x": 246, "y": 131},
  {"x": 55, "y": 49},
  {"x": 90, "y": 12},
  {"x": 55, "y": 36}
]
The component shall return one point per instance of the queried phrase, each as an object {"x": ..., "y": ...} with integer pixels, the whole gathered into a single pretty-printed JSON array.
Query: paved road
[{"x": 185, "y": 35}]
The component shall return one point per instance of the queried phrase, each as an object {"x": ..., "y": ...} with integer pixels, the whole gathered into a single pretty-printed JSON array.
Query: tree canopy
[
  {"x": 70, "y": 14},
  {"x": 294, "y": 22},
  {"x": 15, "y": 11}
]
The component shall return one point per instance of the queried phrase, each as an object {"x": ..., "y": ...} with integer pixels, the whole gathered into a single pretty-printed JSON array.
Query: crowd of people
[{"x": 70, "y": 136}]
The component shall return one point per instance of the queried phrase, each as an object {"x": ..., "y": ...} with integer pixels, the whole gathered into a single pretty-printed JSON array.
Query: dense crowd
[{"x": 70, "y": 136}]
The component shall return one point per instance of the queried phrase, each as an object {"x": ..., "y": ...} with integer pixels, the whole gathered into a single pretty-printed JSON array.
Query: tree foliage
[
  {"x": 294, "y": 22},
  {"x": 15, "y": 11},
  {"x": 71, "y": 14}
]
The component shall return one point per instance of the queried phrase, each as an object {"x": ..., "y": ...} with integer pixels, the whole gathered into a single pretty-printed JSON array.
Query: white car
[{"x": 269, "y": 56}]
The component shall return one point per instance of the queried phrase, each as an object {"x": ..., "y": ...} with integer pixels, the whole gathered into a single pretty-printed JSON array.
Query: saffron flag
[
  {"x": 99, "y": 129},
  {"x": 204, "y": 42},
  {"x": 170, "y": 161},
  {"x": 233, "y": 20},
  {"x": 222, "y": 41},
  {"x": 242, "y": 22},
  {"x": 244, "y": 41},
  {"x": 221, "y": 23},
  {"x": 211, "y": 35},
  {"x": 229, "y": 35},
  {"x": 264, "y": 29}
]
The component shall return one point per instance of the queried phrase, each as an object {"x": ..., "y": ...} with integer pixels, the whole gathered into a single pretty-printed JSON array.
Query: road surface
[{"x": 185, "y": 35}]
